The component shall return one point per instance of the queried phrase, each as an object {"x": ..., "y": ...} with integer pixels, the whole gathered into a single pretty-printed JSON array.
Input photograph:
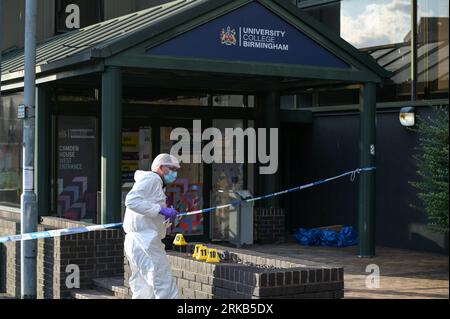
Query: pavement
[{"x": 404, "y": 274}]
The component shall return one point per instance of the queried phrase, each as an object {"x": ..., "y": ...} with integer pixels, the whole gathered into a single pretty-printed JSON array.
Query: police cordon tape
[
  {"x": 79, "y": 230},
  {"x": 57, "y": 232},
  {"x": 291, "y": 190}
]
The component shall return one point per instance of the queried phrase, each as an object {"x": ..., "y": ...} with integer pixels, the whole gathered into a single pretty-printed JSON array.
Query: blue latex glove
[{"x": 169, "y": 213}]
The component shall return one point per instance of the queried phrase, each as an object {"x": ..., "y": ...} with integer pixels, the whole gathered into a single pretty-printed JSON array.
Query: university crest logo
[{"x": 228, "y": 36}]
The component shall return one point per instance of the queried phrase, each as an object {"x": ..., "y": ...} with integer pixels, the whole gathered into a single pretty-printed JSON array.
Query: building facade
[{"x": 319, "y": 122}]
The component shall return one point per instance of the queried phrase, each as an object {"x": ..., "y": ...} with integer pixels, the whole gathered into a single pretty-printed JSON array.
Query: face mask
[{"x": 170, "y": 177}]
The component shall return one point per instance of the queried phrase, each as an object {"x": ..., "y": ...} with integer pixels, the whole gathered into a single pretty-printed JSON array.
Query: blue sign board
[{"x": 251, "y": 33}]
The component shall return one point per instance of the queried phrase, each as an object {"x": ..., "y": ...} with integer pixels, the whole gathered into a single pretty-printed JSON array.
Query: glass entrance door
[
  {"x": 137, "y": 152},
  {"x": 187, "y": 193},
  {"x": 142, "y": 141},
  {"x": 199, "y": 185},
  {"x": 227, "y": 177}
]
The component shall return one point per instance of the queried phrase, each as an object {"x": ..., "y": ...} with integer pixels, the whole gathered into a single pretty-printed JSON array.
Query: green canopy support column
[
  {"x": 367, "y": 192},
  {"x": 42, "y": 150},
  {"x": 111, "y": 135},
  {"x": 270, "y": 183}
]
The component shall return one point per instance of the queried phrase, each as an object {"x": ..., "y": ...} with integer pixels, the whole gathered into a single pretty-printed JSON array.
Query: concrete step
[
  {"x": 114, "y": 285},
  {"x": 92, "y": 294}
]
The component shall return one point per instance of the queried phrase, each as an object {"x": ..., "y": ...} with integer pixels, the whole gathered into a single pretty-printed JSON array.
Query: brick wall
[
  {"x": 13, "y": 214},
  {"x": 98, "y": 254},
  {"x": 10, "y": 257},
  {"x": 200, "y": 280},
  {"x": 269, "y": 225}
]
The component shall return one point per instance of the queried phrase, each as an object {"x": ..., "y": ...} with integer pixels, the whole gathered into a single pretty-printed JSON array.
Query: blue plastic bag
[
  {"x": 348, "y": 236},
  {"x": 330, "y": 238},
  {"x": 308, "y": 237}
]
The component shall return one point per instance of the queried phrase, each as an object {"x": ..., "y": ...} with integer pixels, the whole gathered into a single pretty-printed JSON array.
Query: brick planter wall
[
  {"x": 269, "y": 225},
  {"x": 98, "y": 254},
  {"x": 200, "y": 280},
  {"x": 10, "y": 257}
]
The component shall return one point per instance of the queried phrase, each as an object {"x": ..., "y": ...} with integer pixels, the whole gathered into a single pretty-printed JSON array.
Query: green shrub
[{"x": 432, "y": 160}]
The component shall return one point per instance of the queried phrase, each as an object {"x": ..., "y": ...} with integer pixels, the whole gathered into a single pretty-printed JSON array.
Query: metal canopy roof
[
  {"x": 99, "y": 35},
  {"x": 432, "y": 60},
  {"x": 106, "y": 39}
]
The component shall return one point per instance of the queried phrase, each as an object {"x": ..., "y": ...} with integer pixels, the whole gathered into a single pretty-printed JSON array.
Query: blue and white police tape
[
  {"x": 79, "y": 230},
  {"x": 57, "y": 232},
  {"x": 352, "y": 174}
]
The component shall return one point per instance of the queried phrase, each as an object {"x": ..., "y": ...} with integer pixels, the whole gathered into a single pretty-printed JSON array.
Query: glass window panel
[
  {"x": 136, "y": 154},
  {"x": 136, "y": 151},
  {"x": 378, "y": 53},
  {"x": 399, "y": 53},
  {"x": 369, "y": 23},
  {"x": 251, "y": 169},
  {"x": 169, "y": 97},
  {"x": 382, "y": 28},
  {"x": 432, "y": 74},
  {"x": 305, "y": 100},
  {"x": 402, "y": 61},
  {"x": 346, "y": 97},
  {"x": 251, "y": 101},
  {"x": 432, "y": 29},
  {"x": 288, "y": 102},
  {"x": 10, "y": 150},
  {"x": 430, "y": 59},
  {"x": 232, "y": 100},
  {"x": 186, "y": 194},
  {"x": 402, "y": 76},
  {"x": 328, "y": 14},
  {"x": 433, "y": 66},
  {"x": 226, "y": 178},
  {"x": 174, "y": 99}
]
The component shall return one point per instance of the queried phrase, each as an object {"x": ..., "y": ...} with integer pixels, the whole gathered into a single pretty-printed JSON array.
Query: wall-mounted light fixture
[{"x": 408, "y": 116}]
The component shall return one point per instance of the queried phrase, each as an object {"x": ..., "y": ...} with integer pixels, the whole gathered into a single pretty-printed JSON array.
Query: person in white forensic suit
[{"x": 144, "y": 223}]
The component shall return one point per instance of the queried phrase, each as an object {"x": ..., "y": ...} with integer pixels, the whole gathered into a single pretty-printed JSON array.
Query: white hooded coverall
[{"x": 151, "y": 276}]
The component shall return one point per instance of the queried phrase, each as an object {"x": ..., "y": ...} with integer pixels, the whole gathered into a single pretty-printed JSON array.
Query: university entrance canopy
[
  {"x": 266, "y": 46},
  {"x": 265, "y": 38}
]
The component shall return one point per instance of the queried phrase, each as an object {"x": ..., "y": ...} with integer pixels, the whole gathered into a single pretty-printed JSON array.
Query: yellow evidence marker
[
  {"x": 213, "y": 256},
  {"x": 196, "y": 250},
  {"x": 179, "y": 240},
  {"x": 202, "y": 254}
]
